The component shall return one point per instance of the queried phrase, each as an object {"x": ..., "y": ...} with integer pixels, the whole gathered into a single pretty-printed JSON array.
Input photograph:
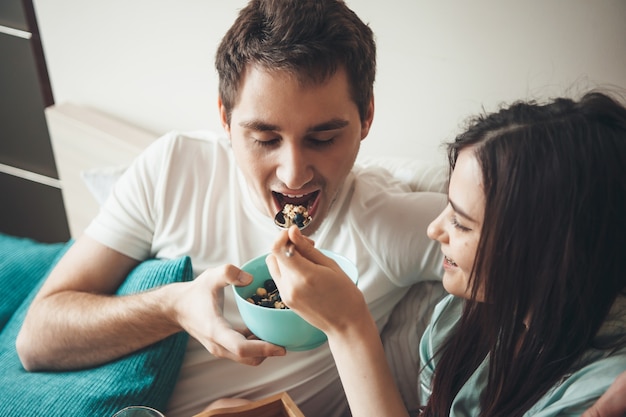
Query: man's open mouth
[{"x": 310, "y": 201}]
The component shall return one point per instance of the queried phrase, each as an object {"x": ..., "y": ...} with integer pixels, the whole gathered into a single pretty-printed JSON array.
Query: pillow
[
  {"x": 401, "y": 336},
  {"x": 23, "y": 263},
  {"x": 146, "y": 377},
  {"x": 420, "y": 175},
  {"x": 100, "y": 181}
]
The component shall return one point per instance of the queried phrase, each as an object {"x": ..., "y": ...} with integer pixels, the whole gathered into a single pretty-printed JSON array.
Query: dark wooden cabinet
[{"x": 31, "y": 202}]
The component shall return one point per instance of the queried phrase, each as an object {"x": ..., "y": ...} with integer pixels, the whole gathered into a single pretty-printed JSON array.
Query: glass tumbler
[{"x": 138, "y": 411}]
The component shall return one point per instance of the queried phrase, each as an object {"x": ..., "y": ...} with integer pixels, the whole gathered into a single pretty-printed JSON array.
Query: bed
[{"x": 92, "y": 149}]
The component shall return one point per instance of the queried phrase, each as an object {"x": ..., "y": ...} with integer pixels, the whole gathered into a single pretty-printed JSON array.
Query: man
[{"x": 295, "y": 99}]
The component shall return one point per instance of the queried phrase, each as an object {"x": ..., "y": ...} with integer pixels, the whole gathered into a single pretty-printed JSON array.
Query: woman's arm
[
  {"x": 613, "y": 402},
  {"x": 316, "y": 288}
]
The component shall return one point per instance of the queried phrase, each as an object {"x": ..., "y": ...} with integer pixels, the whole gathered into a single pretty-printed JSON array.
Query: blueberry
[{"x": 269, "y": 285}]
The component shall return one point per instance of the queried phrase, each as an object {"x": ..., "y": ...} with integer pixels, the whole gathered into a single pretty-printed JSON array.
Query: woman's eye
[{"x": 457, "y": 225}]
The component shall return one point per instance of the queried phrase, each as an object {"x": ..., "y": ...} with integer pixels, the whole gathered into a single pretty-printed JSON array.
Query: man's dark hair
[{"x": 311, "y": 39}]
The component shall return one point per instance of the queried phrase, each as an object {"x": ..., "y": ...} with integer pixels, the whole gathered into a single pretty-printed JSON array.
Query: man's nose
[{"x": 295, "y": 167}]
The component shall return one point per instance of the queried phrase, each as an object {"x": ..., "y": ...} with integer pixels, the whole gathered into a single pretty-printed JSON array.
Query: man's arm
[
  {"x": 613, "y": 402},
  {"x": 76, "y": 321}
]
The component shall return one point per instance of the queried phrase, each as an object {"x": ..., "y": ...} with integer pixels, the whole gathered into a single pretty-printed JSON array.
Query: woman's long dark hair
[{"x": 551, "y": 253}]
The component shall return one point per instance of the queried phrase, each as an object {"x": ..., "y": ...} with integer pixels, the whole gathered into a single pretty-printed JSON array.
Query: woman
[{"x": 534, "y": 240}]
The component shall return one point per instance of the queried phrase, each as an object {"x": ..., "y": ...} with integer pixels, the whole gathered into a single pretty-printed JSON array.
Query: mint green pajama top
[{"x": 576, "y": 392}]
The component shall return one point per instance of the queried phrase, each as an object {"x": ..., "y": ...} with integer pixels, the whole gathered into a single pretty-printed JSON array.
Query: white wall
[{"x": 150, "y": 62}]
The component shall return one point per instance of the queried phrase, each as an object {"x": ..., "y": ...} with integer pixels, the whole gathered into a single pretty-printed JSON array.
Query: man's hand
[
  {"x": 613, "y": 402},
  {"x": 200, "y": 311}
]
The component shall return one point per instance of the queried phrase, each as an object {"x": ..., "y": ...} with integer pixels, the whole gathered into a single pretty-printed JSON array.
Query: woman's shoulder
[
  {"x": 580, "y": 389},
  {"x": 448, "y": 310},
  {"x": 445, "y": 316}
]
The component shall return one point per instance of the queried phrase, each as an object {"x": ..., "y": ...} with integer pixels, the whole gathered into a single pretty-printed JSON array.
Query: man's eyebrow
[
  {"x": 329, "y": 125},
  {"x": 461, "y": 211},
  {"x": 261, "y": 126},
  {"x": 258, "y": 125}
]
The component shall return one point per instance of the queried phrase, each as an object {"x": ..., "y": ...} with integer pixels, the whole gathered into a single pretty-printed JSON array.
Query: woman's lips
[{"x": 447, "y": 262}]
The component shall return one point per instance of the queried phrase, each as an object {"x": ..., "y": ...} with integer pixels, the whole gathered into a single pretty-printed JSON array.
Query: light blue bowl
[{"x": 281, "y": 327}]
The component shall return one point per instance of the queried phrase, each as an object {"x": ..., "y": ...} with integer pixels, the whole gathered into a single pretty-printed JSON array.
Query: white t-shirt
[{"x": 186, "y": 196}]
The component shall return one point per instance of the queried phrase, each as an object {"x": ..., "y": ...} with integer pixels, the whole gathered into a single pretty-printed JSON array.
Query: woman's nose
[
  {"x": 435, "y": 229},
  {"x": 295, "y": 169}
]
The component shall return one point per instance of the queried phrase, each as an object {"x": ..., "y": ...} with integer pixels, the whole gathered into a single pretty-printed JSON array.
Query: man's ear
[
  {"x": 366, "y": 123},
  {"x": 223, "y": 116}
]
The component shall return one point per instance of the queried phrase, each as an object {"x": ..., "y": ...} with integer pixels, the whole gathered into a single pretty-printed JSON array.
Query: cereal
[
  {"x": 298, "y": 215},
  {"x": 267, "y": 296}
]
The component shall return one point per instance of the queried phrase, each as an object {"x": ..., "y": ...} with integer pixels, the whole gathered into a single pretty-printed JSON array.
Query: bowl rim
[{"x": 326, "y": 252}]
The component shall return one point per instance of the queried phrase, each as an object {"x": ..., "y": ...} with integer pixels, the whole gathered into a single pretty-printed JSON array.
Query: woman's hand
[
  {"x": 613, "y": 402},
  {"x": 316, "y": 288},
  {"x": 312, "y": 284}
]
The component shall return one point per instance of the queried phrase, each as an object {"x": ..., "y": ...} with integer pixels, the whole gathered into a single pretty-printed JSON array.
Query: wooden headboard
[{"x": 83, "y": 139}]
